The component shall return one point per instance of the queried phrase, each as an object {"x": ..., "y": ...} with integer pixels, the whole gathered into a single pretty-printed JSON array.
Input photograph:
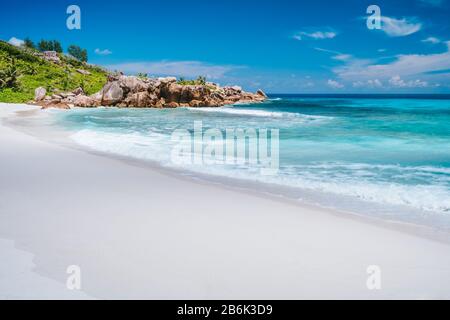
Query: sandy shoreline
[{"x": 140, "y": 233}]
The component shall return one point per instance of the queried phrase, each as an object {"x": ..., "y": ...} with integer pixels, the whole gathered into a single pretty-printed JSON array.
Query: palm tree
[
  {"x": 9, "y": 76},
  {"x": 201, "y": 80}
]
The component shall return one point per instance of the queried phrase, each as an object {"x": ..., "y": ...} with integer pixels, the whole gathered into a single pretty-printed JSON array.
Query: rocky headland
[{"x": 142, "y": 92}]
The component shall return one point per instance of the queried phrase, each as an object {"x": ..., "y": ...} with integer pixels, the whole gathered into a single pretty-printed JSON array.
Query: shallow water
[{"x": 384, "y": 156}]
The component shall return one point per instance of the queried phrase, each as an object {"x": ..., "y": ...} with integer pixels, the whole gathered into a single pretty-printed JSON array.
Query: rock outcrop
[
  {"x": 84, "y": 72},
  {"x": 51, "y": 56},
  {"x": 39, "y": 94},
  {"x": 135, "y": 92}
]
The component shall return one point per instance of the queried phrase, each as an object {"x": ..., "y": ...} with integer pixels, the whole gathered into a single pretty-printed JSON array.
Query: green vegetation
[
  {"x": 18, "y": 53},
  {"x": 78, "y": 53},
  {"x": 9, "y": 76},
  {"x": 52, "y": 45},
  {"x": 199, "y": 81},
  {"x": 28, "y": 43},
  {"x": 22, "y": 70}
]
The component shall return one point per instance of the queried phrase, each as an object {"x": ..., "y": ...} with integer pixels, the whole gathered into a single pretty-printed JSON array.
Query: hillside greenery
[
  {"x": 199, "y": 81},
  {"x": 78, "y": 53},
  {"x": 22, "y": 71},
  {"x": 45, "y": 45}
]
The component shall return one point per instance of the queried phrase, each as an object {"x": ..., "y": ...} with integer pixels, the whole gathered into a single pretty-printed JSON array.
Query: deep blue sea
[{"x": 383, "y": 155}]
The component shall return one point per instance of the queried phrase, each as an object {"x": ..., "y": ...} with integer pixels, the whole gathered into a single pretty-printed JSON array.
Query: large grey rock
[
  {"x": 196, "y": 103},
  {"x": 141, "y": 100},
  {"x": 112, "y": 93},
  {"x": 132, "y": 84},
  {"x": 194, "y": 92},
  {"x": 84, "y": 101},
  {"x": 98, "y": 96},
  {"x": 261, "y": 93},
  {"x": 130, "y": 91},
  {"x": 171, "y": 92},
  {"x": 56, "y": 97},
  {"x": 39, "y": 94},
  {"x": 84, "y": 72},
  {"x": 167, "y": 80},
  {"x": 51, "y": 56},
  {"x": 78, "y": 91}
]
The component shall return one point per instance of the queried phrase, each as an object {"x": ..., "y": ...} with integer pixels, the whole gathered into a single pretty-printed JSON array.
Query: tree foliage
[
  {"x": 9, "y": 75},
  {"x": 29, "y": 43},
  {"x": 21, "y": 77},
  {"x": 78, "y": 53},
  {"x": 199, "y": 81},
  {"x": 50, "y": 45}
]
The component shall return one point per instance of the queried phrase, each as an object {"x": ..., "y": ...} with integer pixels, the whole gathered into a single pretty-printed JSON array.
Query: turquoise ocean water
[{"x": 384, "y": 156}]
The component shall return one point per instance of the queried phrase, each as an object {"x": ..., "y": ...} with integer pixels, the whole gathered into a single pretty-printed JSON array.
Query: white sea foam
[
  {"x": 260, "y": 113},
  {"x": 423, "y": 197},
  {"x": 363, "y": 166},
  {"x": 361, "y": 183},
  {"x": 134, "y": 145}
]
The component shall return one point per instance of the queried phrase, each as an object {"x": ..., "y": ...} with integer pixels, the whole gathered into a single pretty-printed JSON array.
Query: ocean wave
[
  {"x": 152, "y": 146},
  {"x": 365, "y": 166},
  {"x": 260, "y": 113},
  {"x": 428, "y": 198},
  {"x": 357, "y": 180}
]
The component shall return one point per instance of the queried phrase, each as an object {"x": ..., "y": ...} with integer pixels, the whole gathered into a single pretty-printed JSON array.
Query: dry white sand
[{"x": 137, "y": 232}]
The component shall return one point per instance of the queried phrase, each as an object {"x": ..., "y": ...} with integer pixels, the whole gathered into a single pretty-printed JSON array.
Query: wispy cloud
[
  {"x": 403, "y": 65},
  {"x": 104, "y": 52},
  {"x": 398, "y": 82},
  {"x": 16, "y": 42},
  {"x": 432, "y": 40},
  {"x": 316, "y": 34},
  {"x": 335, "y": 84},
  {"x": 375, "y": 83},
  {"x": 342, "y": 57},
  {"x": 336, "y": 55},
  {"x": 189, "y": 69},
  {"x": 404, "y": 71},
  {"x": 400, "y": 27}
]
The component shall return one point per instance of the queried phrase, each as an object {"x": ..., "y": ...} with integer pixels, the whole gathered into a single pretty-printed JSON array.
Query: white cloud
[
  {"x": 189, "y": 69},
  {"x": 400, "y": 27},
  {"x": 335, "y": 84},
  {"x": 16, "y": 42},
  {"x": 336, "y": 54},
  {"x": 398, "y": 82},
  {"x": 342, "y": 57},
  {"x": 326, "y": 33},
  {"x": 104, "y": 52},
  {"x": 375, "y": 83},
  {"x": 404, "y": 65},
  {"x": 369, "y": 84},
  {"x": 432, "y": 40}
]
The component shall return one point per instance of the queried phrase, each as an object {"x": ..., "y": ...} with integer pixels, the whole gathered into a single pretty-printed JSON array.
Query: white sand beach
[{"x": 140, "y": 232}]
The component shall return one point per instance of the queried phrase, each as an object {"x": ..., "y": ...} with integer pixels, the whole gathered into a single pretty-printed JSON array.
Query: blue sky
[{"x": 280, "y": 46}]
